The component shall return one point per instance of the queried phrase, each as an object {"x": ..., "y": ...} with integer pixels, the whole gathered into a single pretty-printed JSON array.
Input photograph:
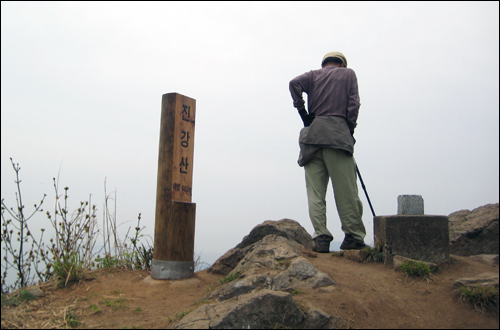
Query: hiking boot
[
  {"x": 350, "y": 243},
  {"x": 322, "y": 244}
]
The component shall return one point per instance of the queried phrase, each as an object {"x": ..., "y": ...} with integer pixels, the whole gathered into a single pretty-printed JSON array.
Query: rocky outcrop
[
  {"x": 225, "y": 264},
  {"x": 301, "y": 274},
  {"x": 318, "y": 319},
  {"x": 273, "y": 252},
  {"x": 489, "y": 259},
  {"x": 474, "y": 232},
  {"x": 268, "y": 244},
  {"x": 265, "y": 309},
  {"x": 241, "y": 286},
  {"x": 268, "y": 266},
  {"x": 273, "y": 248},
  {"x": 287, "y": 228},
  {"x": 484, "y": 279},
  {"x": 356, "y": 255}
]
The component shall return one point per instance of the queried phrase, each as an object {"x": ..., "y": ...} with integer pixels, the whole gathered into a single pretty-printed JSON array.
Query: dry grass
[
  {"x": 42, "y": 313},
  {"x": 70, "y": 253},
  {"x": 483, "y": 298}
]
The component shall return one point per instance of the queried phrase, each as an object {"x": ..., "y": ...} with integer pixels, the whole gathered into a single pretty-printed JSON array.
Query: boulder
[
  {"x": 289, "y": 229},
  {"x": 268, "y": 244},
  {"x": 356, "y": 255},
  {"x": 273, "y": 248},
  {"x": 316, "y": 318},
  {"x": 301, "y": 275},
  {"x": 239, "y": 287},
  {"x": 265, "y": 309},
  {"x": 268, "y": 261},
  {"x": 474, "y": 232},
  {"x": 225, "y": 264},
  {"x": 484, "y": 279},
  {"x": 274, "y": 252},
  {"x": 489, "y": 259}
]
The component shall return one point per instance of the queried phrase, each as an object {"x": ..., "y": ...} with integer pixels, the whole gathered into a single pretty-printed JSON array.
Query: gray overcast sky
[{"x": 81, "y": 86}]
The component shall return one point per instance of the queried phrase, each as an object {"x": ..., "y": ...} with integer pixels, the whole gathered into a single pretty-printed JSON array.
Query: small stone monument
[
  {"x": 175, "y": 214},
  {"x": 412, "y": 234},
  {"x": 410, "y": 205}
]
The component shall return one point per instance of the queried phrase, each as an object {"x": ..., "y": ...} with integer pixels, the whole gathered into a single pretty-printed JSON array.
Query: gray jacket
[
  {"x": 331, "y": 91},
  {"x": 324, "y": 132}
]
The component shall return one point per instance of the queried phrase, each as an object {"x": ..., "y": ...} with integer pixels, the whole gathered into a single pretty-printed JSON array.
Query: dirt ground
[{"x": 367, "y": 295}]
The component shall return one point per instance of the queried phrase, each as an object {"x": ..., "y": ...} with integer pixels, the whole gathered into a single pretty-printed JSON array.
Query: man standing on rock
[{"x": 327, "y": 146}]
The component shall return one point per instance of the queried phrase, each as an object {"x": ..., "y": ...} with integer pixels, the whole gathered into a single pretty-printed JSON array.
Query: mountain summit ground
[{"x": 366, "y": 295}]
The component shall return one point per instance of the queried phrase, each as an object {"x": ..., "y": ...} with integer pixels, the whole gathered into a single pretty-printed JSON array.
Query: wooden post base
[{"x": 174, "y": 260}]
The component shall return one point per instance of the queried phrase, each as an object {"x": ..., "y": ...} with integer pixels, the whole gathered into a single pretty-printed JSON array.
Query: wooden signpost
[{"x": 175, "y": 214}]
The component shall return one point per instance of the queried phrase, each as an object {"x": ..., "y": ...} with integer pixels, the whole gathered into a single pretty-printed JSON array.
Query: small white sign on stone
[{"x": 410, "y": 205}]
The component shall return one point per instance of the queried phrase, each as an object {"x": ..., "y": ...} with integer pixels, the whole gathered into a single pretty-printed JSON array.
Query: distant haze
[{"x": 81, "y": 88}]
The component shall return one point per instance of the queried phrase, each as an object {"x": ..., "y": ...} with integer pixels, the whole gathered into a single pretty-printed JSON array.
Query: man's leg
[
  {"x": 342, "y": 170},
  {"x": 316, "y": 184}
]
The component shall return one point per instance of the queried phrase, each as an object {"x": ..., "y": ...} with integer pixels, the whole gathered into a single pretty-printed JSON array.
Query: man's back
[{"x": 332, "y": 91}]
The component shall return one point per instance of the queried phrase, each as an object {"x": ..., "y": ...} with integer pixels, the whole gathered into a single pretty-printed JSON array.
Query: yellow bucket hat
[{"x": 338, "y": 55}]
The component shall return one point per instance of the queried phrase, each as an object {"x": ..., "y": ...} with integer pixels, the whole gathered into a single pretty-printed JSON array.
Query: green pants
[{"x": 341, "y": 168}]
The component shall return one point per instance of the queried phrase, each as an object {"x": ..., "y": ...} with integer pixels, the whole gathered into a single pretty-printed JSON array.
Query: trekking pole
[{"x": 364, "y": 188}]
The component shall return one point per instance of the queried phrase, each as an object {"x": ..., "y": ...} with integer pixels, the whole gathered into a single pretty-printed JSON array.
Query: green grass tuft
[
  {"x": 375, "y": 254},
  {"x": 15, "y": 300},
  {"x": 71, "y": 319},
  {"x": 115, "y": 304},
  {"x": 230, "y": 278},
  {"x": 483, "y": 298},
  {"x": 95, "y": 309},
  {"x": 415, "y": 269},
  {"x": 181, "y": 314},
  {"x": 68, "y": 269}
]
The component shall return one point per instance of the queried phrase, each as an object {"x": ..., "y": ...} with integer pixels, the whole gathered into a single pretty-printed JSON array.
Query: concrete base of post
[
  {"x": 171, "y": 270},
  {"x": 420, "y": 237}
]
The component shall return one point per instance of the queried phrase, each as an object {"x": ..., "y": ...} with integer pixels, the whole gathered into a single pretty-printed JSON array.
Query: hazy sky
[{"x": 81, "y": 89}]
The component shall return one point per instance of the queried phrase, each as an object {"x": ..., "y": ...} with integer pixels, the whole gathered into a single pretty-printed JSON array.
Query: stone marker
[
  {"x": 410, "y": 205},
  {"x": 421, "y": 237},
  {"x": 175, "y": 214}
]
